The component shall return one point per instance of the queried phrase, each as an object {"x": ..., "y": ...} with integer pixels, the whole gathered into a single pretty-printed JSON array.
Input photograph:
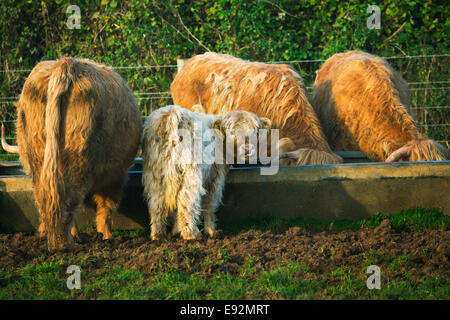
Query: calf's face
[{"x": 241, "y": 131}]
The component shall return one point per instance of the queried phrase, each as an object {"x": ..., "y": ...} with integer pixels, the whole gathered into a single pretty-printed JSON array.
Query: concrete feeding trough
[{"x": 326, "y": 192}]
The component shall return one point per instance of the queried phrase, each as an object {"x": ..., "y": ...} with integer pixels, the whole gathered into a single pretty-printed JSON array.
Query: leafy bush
[{"x": 156, "y": 32}]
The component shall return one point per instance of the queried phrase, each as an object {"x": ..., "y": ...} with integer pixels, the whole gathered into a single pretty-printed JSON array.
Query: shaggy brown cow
[
  {"x": 78, "y": 131},
  {"x": 364, "y": 105},
  {"x": 180, "y": 182},
  {"x": 222, "y": 83}
]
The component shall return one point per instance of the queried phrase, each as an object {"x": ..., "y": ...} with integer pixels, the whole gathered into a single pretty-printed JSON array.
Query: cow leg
[
  {"x": 106, "y": 199},
  {"x": 103, "y": 214},
  {"x": 158, "y": 216},
  {"x": 42, "y": 230},
  {"x": 213, "y": 198},
  {"x": 60, "y": 235},
  {"x": 74, "y": 229},
  {"x": 189, "y": 205},
  {"x": 175, "y": 228},
  {"x": 69, "y": 222}
]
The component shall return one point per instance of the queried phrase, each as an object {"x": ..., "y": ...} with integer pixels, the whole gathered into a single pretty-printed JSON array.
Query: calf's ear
[
  {"x": 198, "y": 108},
  {"x": 266, "y": 123}
]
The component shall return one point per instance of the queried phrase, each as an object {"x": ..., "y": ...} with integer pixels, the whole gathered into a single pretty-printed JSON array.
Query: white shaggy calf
[{"x": 184, "y": 170}]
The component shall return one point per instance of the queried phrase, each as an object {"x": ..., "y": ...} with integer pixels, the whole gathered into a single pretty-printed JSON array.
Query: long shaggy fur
[
  {"x": 78, "y": 131},
  {"x": 222, "y": 83},
  {"x": 176, "y": 185},
  {"x": 364, "y": 104}
]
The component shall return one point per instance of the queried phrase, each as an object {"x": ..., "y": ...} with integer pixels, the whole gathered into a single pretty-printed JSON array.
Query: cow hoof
[
  {"x": 189, "y": 236},
  {"x": 62, "y": 247},
  {"x": 211, "y": 234},
  {"x": 107, "y": 236},
  {"x": 217, "y": 234},
  {"x": 158, "y": 238},
  {"x": 173, "y": 235}
]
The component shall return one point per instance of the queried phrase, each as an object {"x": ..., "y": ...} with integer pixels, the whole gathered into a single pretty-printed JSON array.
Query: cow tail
[
  {"x": 173, "y": 175},
  {"x": 51, "y": 185}
]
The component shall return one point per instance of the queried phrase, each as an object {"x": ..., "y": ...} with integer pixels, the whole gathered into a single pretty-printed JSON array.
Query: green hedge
[{"x": 124, "y": 33}]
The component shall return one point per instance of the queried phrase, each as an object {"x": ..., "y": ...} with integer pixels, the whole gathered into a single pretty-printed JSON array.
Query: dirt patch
[{"x": 426, "y": 253}]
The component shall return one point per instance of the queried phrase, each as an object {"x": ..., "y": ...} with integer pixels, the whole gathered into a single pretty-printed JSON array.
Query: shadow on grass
[{"x": 417, "y": 219}]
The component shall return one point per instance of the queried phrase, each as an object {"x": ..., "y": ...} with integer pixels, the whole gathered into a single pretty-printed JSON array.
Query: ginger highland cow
[
  {"x": 364, "y": 104},
  {"x": 78, "y": 131},
  {"x": 221, "y": 83}
]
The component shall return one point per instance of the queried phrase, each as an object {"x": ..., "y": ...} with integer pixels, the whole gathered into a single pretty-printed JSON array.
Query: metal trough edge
[{"x": 325, "y": 192}]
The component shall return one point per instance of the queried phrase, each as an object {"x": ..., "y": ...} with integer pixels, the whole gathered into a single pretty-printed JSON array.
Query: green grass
[
  {"x": 417, "y": 219},
  {"x": 291, "y": 280}
]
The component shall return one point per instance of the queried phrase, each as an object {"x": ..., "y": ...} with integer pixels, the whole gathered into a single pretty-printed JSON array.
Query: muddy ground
[{"x": 427, "y": 251}]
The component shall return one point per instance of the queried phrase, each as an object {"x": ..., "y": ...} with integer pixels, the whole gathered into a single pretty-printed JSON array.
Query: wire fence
[
  {"x": 430, "y": 104},
  {"x": 273, "y": 62}
]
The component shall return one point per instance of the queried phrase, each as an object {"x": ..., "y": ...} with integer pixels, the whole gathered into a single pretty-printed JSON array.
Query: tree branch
[
  {"x": 190, "y": 33},
  {"x": 396, "y": 32}
]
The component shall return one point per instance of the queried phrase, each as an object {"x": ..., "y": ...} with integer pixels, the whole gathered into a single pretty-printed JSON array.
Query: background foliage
[{"x": 156, "y": 33}]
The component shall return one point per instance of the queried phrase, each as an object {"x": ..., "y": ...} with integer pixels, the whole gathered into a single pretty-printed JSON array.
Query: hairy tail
[
  {"x": 51, "y": 185},
  {"x": 173, "y": 176},
  {"x": 162, "y": 157}
]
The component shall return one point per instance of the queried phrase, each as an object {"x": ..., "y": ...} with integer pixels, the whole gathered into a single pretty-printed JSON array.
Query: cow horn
[
  {"x": 6, "y": 146},
  {"x": 402, "y": 152},
  {"x": 289, "y": 155}
]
